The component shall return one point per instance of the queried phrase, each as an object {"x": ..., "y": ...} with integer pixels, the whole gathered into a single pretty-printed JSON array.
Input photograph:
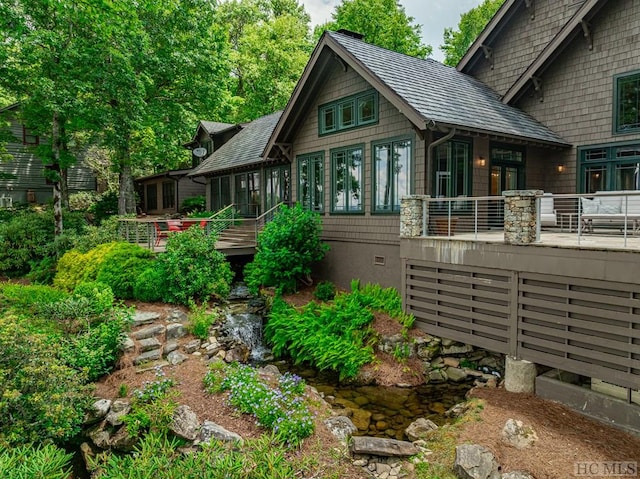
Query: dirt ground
[{"x": 564, "y": 436}]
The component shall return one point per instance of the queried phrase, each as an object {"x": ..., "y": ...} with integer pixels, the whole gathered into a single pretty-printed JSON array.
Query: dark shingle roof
[
  {"x": 443, "y": 94},
  {"x": 213, "y": 127},
  {"x": 243, "y": 149}
]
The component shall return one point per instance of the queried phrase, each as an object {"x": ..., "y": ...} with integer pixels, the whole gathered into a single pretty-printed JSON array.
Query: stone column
[
  {"x": 520, "y": 216},
  {"x": 411, "y": 215},
  {"x": 519, "y": 375}
]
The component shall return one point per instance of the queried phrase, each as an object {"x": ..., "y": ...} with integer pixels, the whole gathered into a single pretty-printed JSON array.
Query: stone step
[{"x": 149, "y": 332}]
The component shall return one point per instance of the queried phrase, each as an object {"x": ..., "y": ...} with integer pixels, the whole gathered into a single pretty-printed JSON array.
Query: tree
[
  {"x": 382, "y": 22},
  {"x": 270, "y": 45},
  {"x": 457, "y": 42}
]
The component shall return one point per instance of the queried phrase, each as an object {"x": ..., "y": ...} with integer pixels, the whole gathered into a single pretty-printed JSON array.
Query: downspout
[{"x": 432, "y": 145}]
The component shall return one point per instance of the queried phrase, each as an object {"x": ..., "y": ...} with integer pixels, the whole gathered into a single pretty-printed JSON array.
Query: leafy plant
[
  {"x": 325, "y": 291},
  {"x": 75, "y": 266},
  {"x": 44, "y": 462},
  {"x": 401, "y": 352},
  {"x": 193, "y": 204},
  {"x": 387, "y": 300},
  {"x": 287, "y": 248},
  {"x": 201, "y": 318},
  {"x": 105, "y": 206},
  {"x": 29, "y": 297},
  {"x": 150, "y": 284},
  {"x": 121, "y": 267},
  {"x": 100, "y": 295}
]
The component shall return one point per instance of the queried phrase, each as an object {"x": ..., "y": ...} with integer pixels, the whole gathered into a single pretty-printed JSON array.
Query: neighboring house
[
  {"x": 236, "y": 172},
  {"x": 22, "y": 178},
  {"x": 164, "y": 193}
]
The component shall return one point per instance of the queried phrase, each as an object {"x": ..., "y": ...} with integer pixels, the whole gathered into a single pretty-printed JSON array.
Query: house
[
  {"x": 237, "y": 173},
  {"x": 164, "y": 193},
  {"x": 22, "y": 179}
]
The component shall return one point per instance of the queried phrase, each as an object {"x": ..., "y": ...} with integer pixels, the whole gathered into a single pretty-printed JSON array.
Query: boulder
[
  {"x": 475, "y": 462},
  {"x": 149, "y": 344},
  {"x": 378, "y": 446},
  {"x": 184, "y": 423},
  {"x": 149, "y": 356},
  {"x": 456, "y": 374},
  {"x": 340, "y": 426},
  {"x": 176, "y": 357},
  {"x": 119, "y": 409},
  {"x": 145, "y": 317},
  {"x": 177, "y": 316},
  {"x": 421, "y": 428},
  {"x": 123, "y": 441},
  {"x": 176, "y": 331},
  {"x": 127, "y": 344},
  {"x": 458, "y": 410},
  {"x": 98, "y": 410},
  {"x": 170, "y": 347},
  {"x": 192, "y": 346},
  {"x": 211, "y": 430},
  {"x": 149, "y": 332},
  {"x": 516, "y": 434},
  {"x": 99, "y": 437}
]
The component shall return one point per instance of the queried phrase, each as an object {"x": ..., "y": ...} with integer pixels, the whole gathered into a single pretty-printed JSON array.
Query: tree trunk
[
  {"x": 57, "y": 192},
  {"x": 64, "y": 171},
  {"x": 126, "y": 198}
]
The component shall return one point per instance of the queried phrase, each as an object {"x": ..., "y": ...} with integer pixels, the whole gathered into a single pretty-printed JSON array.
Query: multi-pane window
[
  {"x": 311, "y": 181},
  {"x": 350, "y": 112},
  {"x": 168, "y": 194},
  {"x": 453, "y": 169},
  {"x": 220, "y": 192},
  {"x": 152, "y": 197},
  {"x": 247, "y": 193},
  {"x": 392, "y": 164},
  {"x": 627, "y": 103},
  {"x": 277, "y": 185},
  {"x": 610, "y": 168},
  {"x": 29, "y": 137},
  {"x": 347, "y": 173}
]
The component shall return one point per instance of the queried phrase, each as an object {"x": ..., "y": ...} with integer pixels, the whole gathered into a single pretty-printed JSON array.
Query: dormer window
[
  {"x": 29, "y": 138},
  {"x": 347, "y": 113},
  {"x": 627, "y": 103}
]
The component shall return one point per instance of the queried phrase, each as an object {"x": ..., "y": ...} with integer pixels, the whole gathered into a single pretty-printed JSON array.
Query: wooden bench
[{"x": 612, "y": 209}]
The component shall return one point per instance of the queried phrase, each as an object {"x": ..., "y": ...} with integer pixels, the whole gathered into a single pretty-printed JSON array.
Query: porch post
[
  {"x": 411, "y": 216},
  {"x": 520, "y": 216}
]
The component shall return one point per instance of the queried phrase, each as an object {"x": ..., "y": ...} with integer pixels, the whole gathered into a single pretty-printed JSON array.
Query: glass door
[{"x": 503, "y": 178}]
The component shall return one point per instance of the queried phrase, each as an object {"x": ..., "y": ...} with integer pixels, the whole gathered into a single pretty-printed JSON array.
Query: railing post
[
  {"x": 538, "y": 219},
  {"x": 412, "y": 211},
  {"x": 449, "y": 218},
  {"x": 626, "y": 218},
  {"x": 475, "y": 219},
  {"x": 520, "y": 222}
]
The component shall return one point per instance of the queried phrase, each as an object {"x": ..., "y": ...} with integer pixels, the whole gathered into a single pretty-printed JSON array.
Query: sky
[{"x": 433, "y": 15}]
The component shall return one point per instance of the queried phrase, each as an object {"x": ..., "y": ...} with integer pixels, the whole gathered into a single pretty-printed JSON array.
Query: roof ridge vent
[{"x": 349, "y": 33}]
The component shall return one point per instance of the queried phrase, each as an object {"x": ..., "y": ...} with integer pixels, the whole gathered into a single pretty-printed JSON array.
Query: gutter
[{"x": 432, "y": 145}]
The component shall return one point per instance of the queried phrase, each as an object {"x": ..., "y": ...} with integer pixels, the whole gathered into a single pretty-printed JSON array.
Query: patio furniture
[
  {"x": 611, "y": 209},
  {"x": 548, "y": 215}
]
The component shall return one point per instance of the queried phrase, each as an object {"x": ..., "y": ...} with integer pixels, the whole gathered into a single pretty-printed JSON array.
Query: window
[
  {"x": 152, "y": 197},
  {"x": 453, "y": 169},
  {"x": 392, "y": 164},
  {"x": 168, "y": 194},
  {"x": 220, "y": 192},
  {"x": 347, "y": 173},
  {"x": 311, "y": 181},
  {"x": 351, "y": 112},
  {"x": 247, "y": 193},
  {"x": 610, "y": 168},
  {"x": 277, "y": 185},
  {"x": 627, "y": 103},
  {"x": 29, "y": 138}
]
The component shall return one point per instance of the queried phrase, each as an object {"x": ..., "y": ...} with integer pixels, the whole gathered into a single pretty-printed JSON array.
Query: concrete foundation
[{"x": 519, "y": 375}]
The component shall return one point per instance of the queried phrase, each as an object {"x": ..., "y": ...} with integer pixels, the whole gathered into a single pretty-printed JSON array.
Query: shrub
[
  {"x": 192, "y": 268},
  {"x": 100, "y": 295},
  {"x": 76, "y": 267},
  {"x": 121, "y": 267},
  {"x": 287, "y": 247},
  {"x": 28, "y": 238},
  {"x": 92, "y": 236},
  {"x": 201, "y": 318},
  {"x": 387, "y": 300},
  {"x": 82, "y": 201},
  {"x": 29, "y": 298},
  {"x": 105, "y": 206},
  {"x": 43, "y": 398},
  {"x": 149, "y": 285},
  {"x": 43, "y": 462},
  {"x": 193, "y": 204},
  {"x": 325, "y": 291}
]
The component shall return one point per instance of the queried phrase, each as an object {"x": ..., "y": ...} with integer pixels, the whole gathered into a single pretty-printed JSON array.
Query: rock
[
  {"x": 458, "y": 410},
  {"x": 119, "y": 409},
  {"x": 517, "y": 475},
  {"x": 176, "y": 331},
  {"x": 446, "y": 342},
  {"x": 127, "y": 344},
  {"x": 427, "y": 348},
  {"x": 456, "y": 374},
  {"x": 170, "y": 347},
  {"x": 211, "y": 430},
  {"x": 475, "y": 462},
  {"x": 270, "y": 370},
  {"x": 340, "y": 426},
  {"x": 176, "y": 357},
  {"x": 151, "y": 366},
  {"x": 148, "y": 356},
  {"x": 87, "y": 455},
  {"x": 457, "y": 348},
  {"x": 382, "y": 447},
  {"x": 238, "y": 354},
  {"x": 421, "y": 428},
  {"x": 99, "y": 437},
  {"x": 437, "y": 407},
  {"x": 436, "y": 376},
  {"x": 361, "y": 419},
  {"x": 177, "y": 316},
  {"x": 451, "y": 362},
  {"x": 382, "y": 468},
  {"x": 149, "y": 332},
  {"x": 145, "y": 317},
  {"x": 516, "y": 434},
  {"x": 184, "y": 423},
  {"x": 98, "y": 410},
  {"x": 360, "y": 463},
  {"x": 149, "y": 344},
  {"x": 122, "y": 440},
  {"x": 192, "y": 346}
]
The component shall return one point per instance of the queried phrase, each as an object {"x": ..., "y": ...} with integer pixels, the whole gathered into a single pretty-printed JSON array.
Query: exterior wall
[
  {"x": 356, "y": 239},
  {"x": 29, "y": 184},
  {"x": 188, "y": 189},
  {"x": 578, "y": 89},
  {"x": 522, "y": 40}
]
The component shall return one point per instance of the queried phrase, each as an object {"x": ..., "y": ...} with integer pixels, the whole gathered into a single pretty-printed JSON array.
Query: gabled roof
[
  {"x": 244, "y": 149},
  {"x": 428, "y": 93},
  {"x": 173, "y": 174},
  {"x": 210, "y": 128},
  {"x": 578, "y": 23}
]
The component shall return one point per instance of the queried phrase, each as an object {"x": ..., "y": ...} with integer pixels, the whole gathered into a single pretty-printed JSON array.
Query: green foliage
[
  {"x": 93, "y": 236},
  {"x": 387, "y": 300},
  {"x": 201, "y": 318},
  {"x": 193, "y": 204},
  {"x": 401, "y": 352},
  {"x": 457, "y": 42},
  {"x": 331, "y": 336},
  {"x": 192, "y": 268},
  {"x": 100, "y": 295},
  {"x": 75, "y": 267},
  {"x": 42, "y": 398},
  {"x": 158, "y": 455},
  {"x": 82, "y": 201},
  {"x": 325, "y": 291},
  {"x": 105, "y": 207},
  {"x": 121, "y": 267},
  {"x": 149, "y": 286},
  {"x": 287, "y": 247},
  {"x": 29, "y": 298},
  {"x": 281, "y": 409},
  {"x": 44, "y": 462},
  {"x": 28, "y": 239},
  {"x": 382, "y": 22}
]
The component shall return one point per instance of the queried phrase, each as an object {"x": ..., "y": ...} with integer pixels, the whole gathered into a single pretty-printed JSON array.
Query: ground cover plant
[{"x": 42, "y": 462}]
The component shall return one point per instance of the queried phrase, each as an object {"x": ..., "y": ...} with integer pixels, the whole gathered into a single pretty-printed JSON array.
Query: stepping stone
[
  {"x": 378, "y": 446},
  {"x": 151, "y": 366},
  {"x": 176, "y": 357},
  {"x": 175, "y": 331},
  {"x": 149, "y": 332},
  {"x": 149, "y": 344},
  {"x": 170, "y": 347},
  {"x": 145, "y": 317},
  {"x": 148, "y": 356},
  {"x": 192, "y": 346}
]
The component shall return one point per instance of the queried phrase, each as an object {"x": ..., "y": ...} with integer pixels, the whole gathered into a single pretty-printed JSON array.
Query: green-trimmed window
[
  {"x": 392, "y": 173},
  {"x": 627, "y": 103},
  {"x": 610, "y": 168},
  {"x": 311, "y": 181},
  {"x": 277, "y": 182},
  {"x": 453, "y": 169},
  {"x": 350, "y": 112},
  {"x": 220, "y": 192},
  {"x": 347, "y": 173}
]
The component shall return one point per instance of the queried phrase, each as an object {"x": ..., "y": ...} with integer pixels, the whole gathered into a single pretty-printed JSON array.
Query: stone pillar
[
  {"x": 520, "y": 216},
  {"x": 411, "y": 215},
  {"x": 519, "y": 375}
]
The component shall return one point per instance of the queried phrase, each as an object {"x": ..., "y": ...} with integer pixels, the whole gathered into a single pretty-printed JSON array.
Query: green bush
[
  {"x": 149, "y": 286},
  {"x": 121, "y": 267},
  {"x": 105, "y": 206},
  {"x": 83, "y": 201},
  {"x": 387, "y": 300},
  {"x": 100, "y": 295},
  {"x": 76, "y": 267},
  {"x": 193, "y": 204},
  {"x": 28, "y": 239},
  {"x": 43, "y": 462},
  {"x": 325, "y": 291},
  {"x": 42, "y": 398},
  {"x": 29, "y": 298},
  {"x": 193, "y": 269},
  {"x": 287, "y": 247},
  {"x": 92, "y": 236},
  {"x": 201, "y": 318}
]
